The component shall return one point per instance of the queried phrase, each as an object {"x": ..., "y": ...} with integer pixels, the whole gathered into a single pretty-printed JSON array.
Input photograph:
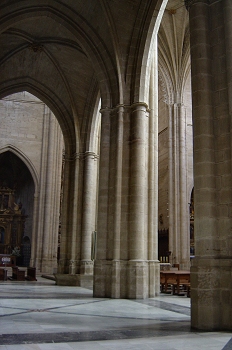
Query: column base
[
  {"x": 134, "y": 279},
  {"x": 211, "y": 294},
  {"x": 48, "y": 266},
  {"x": 63, "y": 266},
  {"x": 84, "y": 281},
  {"x": 86, "y": 267}
]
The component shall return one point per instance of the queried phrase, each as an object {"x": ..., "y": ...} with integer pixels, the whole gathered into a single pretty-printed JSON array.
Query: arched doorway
[{"x": 16, "y": 202}]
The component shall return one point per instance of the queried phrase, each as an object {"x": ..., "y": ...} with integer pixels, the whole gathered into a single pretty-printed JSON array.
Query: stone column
[
  {"x": 228, "y": 42},
  {"x": 58, "y": 154},
  {"x": 89, "y": 208},
  {"x": 154, "y": 266},
  {"x": 34, "y": 230},
  {"x": 203, "y": 301},
  {"x": 227, "y": 241},
  {"x": 179, "y": 242},
  {"x": 117, "y": 119},
  {"x": 211, "y": 271},
  {"x": 138, "y": 271},
  {"x": 74, "y": 238},
  {"x": 100, "y": 264},
  {"x": 171, "y": 188},
  {"x": 70, "y": 245},
  {"x": 52, "y": 197},
  {"x": 184, "y": 252},
  {"x": 42, "y": 190},
  {"x": 65, "y": 214}
]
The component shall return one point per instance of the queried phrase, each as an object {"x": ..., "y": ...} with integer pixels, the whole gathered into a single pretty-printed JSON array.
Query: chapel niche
[
  {"x": 12, "y": 221},
  {"x": 16, "y": 207}
]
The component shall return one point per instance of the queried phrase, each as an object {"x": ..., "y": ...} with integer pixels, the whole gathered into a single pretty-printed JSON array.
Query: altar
[{"x": 12, "y": 222}]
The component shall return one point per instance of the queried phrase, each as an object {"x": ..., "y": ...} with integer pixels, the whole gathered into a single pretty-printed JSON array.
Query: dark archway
[{"x": 15, "y": 176}]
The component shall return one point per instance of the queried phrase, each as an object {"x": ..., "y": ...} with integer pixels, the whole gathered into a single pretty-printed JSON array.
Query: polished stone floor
[{"x": 42, "y": 316}]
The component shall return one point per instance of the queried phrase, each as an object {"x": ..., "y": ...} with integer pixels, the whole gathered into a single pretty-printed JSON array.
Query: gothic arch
[
  {"x": 51, "y": 100},
  {"x": 145, "y": 54},
  {"x": 25, "y": 160}
]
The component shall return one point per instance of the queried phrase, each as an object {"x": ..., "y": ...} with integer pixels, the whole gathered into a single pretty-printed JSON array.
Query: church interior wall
[
  {"x": 22, "y": 125},
  {"x": 23, "y": 118}
]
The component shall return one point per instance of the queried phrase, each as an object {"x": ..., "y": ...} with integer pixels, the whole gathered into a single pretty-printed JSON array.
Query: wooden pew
[
  {"x": 176, "y": 282},
  {"x": 3, "y": 275},
  {"x": 18, "y": 275},
  {"x": 182, "y": 280},
  {"x": 31, "y": 274}
]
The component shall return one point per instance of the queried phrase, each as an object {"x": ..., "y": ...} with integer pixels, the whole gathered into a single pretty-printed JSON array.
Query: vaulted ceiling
[{"x": 66, "y": 51}]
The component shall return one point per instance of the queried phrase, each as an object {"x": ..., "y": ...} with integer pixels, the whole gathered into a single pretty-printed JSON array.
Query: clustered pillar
[{"x": 126, "y": 262}]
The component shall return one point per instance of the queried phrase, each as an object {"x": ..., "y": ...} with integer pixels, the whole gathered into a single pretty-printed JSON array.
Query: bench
[
  {"x": 18, "y": 275},
  {"x": 31, "y": 274},
  {"x": 3, "y": 274},
  {"x": 175, "y": 282}
]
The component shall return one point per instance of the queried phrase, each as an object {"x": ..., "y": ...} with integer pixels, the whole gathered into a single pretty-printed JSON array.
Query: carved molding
[
  {"x": 80, "y": 156},
  {"x": 137, "y": 105},
  {"x": 89, "y": 154}
]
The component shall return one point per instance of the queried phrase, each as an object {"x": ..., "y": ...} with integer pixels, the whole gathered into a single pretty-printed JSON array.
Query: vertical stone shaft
[
  {"x": 153, "y": 166},
  {"x": 103, "y": 195},
  {"x": 228, "y": 43},
  {"x": 137, "y": 181},
  {"x": 171, "y": 197},
  {"x": 66, "y": 216},
  {"x": 58, "y": 147},
  {"x": 115, "y": 184},
  {"x": 42, "y": 188},
  {"x": 100, "y": 264},
  {"x": 184, "y": 254},
  {"x": 74, "y": 243},
  {"x": 225, "y": 208},
  {"x": 34, "y": 230},
  {"x": 89, "y": 205},
  {"x": 177, "y": 197},
  {"x": 49, "y": 203},
  {"x": 209, "y": 303},
  {"x": 118, "y": 185},
  {"x": 174, "y": 183},
  {"x": 154, "y": 266},
  {"x": 204, "y": 161}
]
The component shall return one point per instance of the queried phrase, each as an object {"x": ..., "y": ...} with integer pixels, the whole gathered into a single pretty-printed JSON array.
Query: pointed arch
[
  {"x": 145, "y": 54},
  {"x": 52, "y": 100},
  {"x": 25, "y": 160}
]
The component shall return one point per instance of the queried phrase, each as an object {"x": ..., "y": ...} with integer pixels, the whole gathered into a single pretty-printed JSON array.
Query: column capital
[
  {"x": 71, "y": 157},
  {"x": 89, "y": 154},
  {"x": 139, "y": 105},
  {"x": 81, "y": 156},
  {"x": 105, "y": 109}
]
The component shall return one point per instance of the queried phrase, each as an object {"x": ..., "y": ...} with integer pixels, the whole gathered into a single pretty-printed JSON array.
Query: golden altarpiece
[{"x": 12, "y": 222}]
